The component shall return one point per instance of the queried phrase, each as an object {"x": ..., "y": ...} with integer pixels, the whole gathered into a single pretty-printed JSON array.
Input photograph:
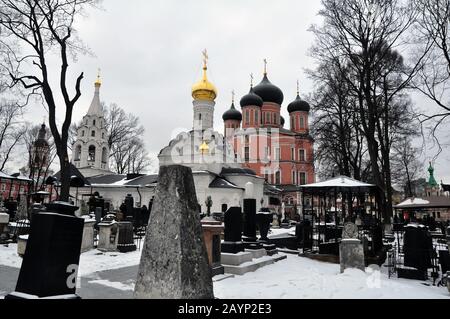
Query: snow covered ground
[
  {"x": 90, "y": 262},
  {"x": 303, "y": 278},
  {"x": 295, "y": 277}
]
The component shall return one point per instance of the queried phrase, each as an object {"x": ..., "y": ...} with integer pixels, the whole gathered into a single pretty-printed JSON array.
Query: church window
[
  {"x": 292, "y": 123},
  {"x": 199, "y": 117},
  {"x": 294, "y": 177},
  {"x": 277, "y": 154},
  {"x": 267, "y": 118},
  {"x": 256, "y": 117},
  {"x": 104, "y": 155},
  {"x": 93, "y": 133},
  {"x": 93, "y": 122},
  {"x": 103, "y": 135},
  {"x": 247, "y": 117},
  {"x": 247, "y": 154},
  {"x": 302, "y": 178},
  {"x": 78, "y": 153},
  {"x": 293, "y": 154},
  {"x": 278, "y": 178},
  {"x": 302, "y": 122},
  {"x": 302, "y": 155},
  {"x": 247, "y": 139},
  {"x": 273, "y": 118},
  {"x": 82, "y": 133},
  {"x": 91, "y": 155}
]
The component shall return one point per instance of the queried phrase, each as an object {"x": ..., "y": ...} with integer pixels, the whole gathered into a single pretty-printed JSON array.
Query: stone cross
[{"x": 350, "y": 231}]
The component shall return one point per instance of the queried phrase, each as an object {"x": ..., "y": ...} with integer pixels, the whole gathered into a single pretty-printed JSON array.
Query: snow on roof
[
  {"x": 340, "y": 181},
  {"x": 425, "y": 202},
  {"x": 3, "y": 175},
  {"x": 413, "y": 201}
]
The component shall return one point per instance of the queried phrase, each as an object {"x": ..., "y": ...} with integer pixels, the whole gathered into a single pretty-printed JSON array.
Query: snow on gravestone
[{"x": 174, "y": 262}]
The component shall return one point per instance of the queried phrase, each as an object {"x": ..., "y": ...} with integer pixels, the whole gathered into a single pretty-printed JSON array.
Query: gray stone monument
[
  {"x": 108, "y": 238},
  {"x": 351, "y": 251},
  {"x": 174, "y": 262},
  {"x": 88, "y": 235}
]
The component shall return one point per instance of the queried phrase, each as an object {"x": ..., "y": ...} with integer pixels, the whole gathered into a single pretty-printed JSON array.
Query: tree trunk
[{"x": 65, "y": 176}]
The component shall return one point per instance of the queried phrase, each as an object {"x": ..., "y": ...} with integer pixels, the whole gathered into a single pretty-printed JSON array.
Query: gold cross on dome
[
  {"x": 233, "y": 94},
  {"x": 205, "y": 57},
  {"x": 298, "y": 87},
  {"x": 251, "y": 79},
  {"x": 265, "y": 66}
]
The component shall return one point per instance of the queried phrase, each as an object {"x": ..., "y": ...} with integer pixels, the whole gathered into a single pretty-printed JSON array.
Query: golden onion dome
[
  {"x": 204, "y": 148},
  {"x": 204, "y": 90}
]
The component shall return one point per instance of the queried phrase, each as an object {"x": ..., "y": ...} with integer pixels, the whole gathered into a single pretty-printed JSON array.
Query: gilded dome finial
[
  {"x": 251, "y": 80},
  {"x": 98, "y": 82},
  {"x": 298, "y": 88},
  {"x": 265, "y": 66},
  {"x": 204, "y": 90}
]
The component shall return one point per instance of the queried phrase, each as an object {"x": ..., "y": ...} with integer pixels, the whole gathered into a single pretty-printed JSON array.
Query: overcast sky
[{"x": 149, "y": 53}]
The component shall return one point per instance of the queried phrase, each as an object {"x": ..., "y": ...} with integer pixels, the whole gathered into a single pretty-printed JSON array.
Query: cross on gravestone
[
  {"x": 174, "y": 262},
  {"x": 350, "y": 231}
]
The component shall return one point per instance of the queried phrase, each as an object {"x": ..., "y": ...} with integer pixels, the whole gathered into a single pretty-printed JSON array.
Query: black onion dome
[
  {"x": 282, "y": 121},
  {"x": 298, "y": 106},
  {"x": 269, "y": 92},
  {"x": 251, "y": 99},
  {"x": 232, "y": 114}
]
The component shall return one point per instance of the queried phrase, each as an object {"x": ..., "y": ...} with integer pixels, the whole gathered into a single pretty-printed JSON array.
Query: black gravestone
[
  {"x": 264, "y": 219},
  {"x": 129, "y": 207},
  {"x": 250, "y": 220},
  {"x": 233, "y": 231},
  {"x": 52, "y": 256},
  {"x": 418, "y": 247},
  {"x": 126, "y": 240}
]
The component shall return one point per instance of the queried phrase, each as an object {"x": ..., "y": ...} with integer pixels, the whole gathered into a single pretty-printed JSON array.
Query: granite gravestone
[
  {"x": 51, "y": 260},
  {"x": 125, "y": 242},
  {"x": 233, "y": 231},
  {"x": 174, "y": 262},
  {"x": 351, "y": 251}
]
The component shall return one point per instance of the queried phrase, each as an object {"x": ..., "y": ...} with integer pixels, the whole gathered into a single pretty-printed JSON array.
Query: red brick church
[{"x": 283, "y": 156}]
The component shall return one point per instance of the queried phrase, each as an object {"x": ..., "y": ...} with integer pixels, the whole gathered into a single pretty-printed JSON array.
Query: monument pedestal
[
  {"x": 232, "y": 247},
  {"x": 351, "y": 254},
  {"x": 108, "y": 236},
  {"x": 88, "y": 235},
  {"x": 212, "y": 232}
]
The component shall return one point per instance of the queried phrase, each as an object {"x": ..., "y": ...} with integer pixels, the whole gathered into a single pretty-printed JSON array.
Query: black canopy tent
[{"x": 328, "y": 193}]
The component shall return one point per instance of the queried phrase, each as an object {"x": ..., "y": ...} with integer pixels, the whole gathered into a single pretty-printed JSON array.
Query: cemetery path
[{"x": 8, "y": 279}]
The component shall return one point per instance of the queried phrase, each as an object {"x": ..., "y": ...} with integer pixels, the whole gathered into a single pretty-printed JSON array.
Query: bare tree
[
  {"x": 11, "y": 130},
  {"x": 361, "y": 36},
  {"x": 406, "y": 165},
  {"x": 32, "y": 33},
  {"x": 433, "y": 79}
]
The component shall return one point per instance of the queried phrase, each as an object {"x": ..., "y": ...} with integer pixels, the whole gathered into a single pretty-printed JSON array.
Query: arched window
[
  {"x": 256, "y": 117},
  {"x": 91, "y": 155},
  {"x": 292, "y": 123},
  {"x": 278, "y": 178},
  {"x": 82, "y": 133},
  {"x": 78, "y": 153},
  {"x": 94, "y": 122},
  {"x": 104, "y": 155},
  {"x": 302, "y": 122},
  {"x": 200, "y": 117},
  {"x": 93, "y": 133}
]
